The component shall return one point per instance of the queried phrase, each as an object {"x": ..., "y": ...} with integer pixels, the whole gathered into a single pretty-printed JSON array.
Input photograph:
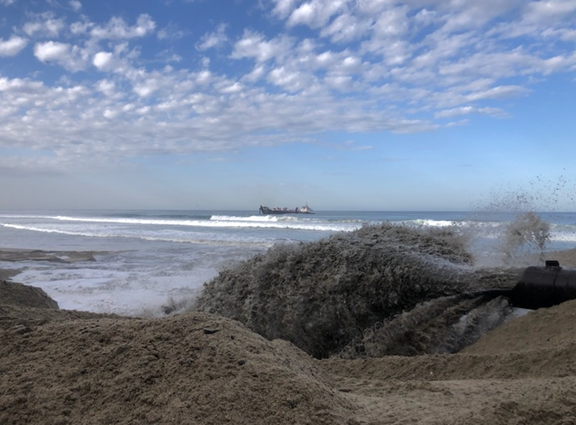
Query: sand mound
[
  {"x": 25, "y": 318},
  {"x": 325, "y": 294},
  {"x": 188, "y": 369},
  {"x": 25, "y": 296},
  {"x": 69, "y": 367},
  {"x": 542, "y": 329},
  {"x": 23, "y": 307}
]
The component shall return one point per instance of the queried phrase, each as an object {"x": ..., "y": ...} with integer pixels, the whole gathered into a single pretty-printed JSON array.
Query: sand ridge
[{"x": 188, "y": 369}]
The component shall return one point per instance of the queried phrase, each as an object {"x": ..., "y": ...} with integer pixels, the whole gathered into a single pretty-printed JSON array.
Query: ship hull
[{"x": 282, "y": 211}]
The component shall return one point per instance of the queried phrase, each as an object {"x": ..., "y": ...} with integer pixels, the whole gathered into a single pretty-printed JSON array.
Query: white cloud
[
  {"x": 256, "y": 74},
  {"x": 106, "y": 87},
  {"x": 204, "y": 108},
  {"x": 213, "y": 39},
  {"x": 18, "y": 85},
  {"x": 75, "y": 5},
  {"x": 465, "y": 16},
  {"x": 316, "y": 13},
  {"x": 550, "y": 10},
  {"x": 66, "y": 55},
  {"x": 103, "y": 60},
  {"x": 340, "y": 82},
  {"x": 283, "y": 8},
  {"x": 392, "y": 22},
  {"x": 539, "y": 17},
  {"x": 170, "y": 32},
  {"x": 45, "y": 25},
  {"x": 118, "y": 29},
  {"x": 7, "y": 2},
  {"x": 168, "y": 56},
  {"x": 253, "y": 45},
  {"x": 12, "y": 46},
  {"x": 369, "y": 66},
  {"x": 326, "y": 59},
  {"x": 232, "y": 88},
  {"x": 78, "y": 28},
  {"x": 51, "y": 51},
  {"x": 290, "y": 80},
  {"x": 346, "y": 28},
  {"x": 467, "y": 110},
  {"x": 146, "y": 88},
  {"x": 498, "y": 92}
]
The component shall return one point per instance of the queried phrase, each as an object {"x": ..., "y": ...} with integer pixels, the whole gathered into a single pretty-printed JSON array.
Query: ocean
[{"x": 146, "y": 260}]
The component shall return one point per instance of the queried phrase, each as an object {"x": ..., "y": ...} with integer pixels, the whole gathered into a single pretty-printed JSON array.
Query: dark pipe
[{"x": 544, "y": 287}]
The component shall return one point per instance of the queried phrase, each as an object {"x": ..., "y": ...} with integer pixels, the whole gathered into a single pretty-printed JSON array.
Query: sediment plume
[
  {"x": 527, "y": 233},
  {"x": 322, "y": 295}
]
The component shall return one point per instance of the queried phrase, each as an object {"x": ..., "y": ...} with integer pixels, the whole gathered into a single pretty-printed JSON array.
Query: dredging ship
[{"x": 302, "y": 210}]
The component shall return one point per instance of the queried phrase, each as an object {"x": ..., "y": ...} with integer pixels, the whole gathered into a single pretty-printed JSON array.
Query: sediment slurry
[
  {"x": 522, "y": 372},
  {"x": 442, "y": 325},
  {"x": 324, "y": 295}
]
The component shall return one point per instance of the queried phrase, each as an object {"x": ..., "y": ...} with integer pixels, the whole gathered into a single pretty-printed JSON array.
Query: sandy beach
[{"x": 67, "y": 367}]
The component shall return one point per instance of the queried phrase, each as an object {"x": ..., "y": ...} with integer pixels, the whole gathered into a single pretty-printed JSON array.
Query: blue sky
[{"x": 344, "y": 104}]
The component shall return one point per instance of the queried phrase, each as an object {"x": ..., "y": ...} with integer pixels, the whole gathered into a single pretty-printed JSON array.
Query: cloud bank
[{"x": 112, "y": 90}]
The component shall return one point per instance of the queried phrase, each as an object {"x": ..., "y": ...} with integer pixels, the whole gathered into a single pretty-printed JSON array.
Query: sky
[{"x": 233, "y": 104}]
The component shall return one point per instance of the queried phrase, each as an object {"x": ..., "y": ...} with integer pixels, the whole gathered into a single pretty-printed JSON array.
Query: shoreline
[
  {"x": 18, "y": 254},
  {"x": 566, "y": 257}
]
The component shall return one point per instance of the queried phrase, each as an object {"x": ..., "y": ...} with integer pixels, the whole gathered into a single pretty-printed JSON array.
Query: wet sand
[
  {"x": 566, "y": 258},
  {"x": 9, "y": 254}
]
